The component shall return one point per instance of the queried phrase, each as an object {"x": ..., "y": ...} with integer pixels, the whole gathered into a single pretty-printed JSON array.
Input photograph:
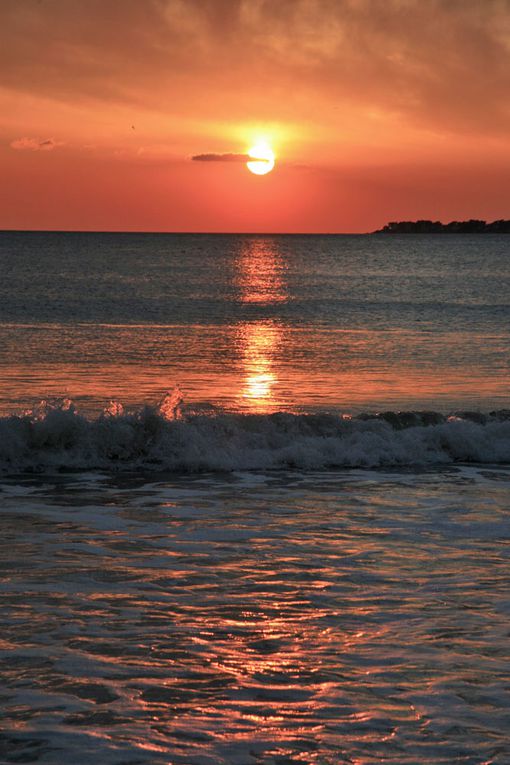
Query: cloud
[
  {"x": 441, "y": 65},
  {"x": 35, "y": 144},
  {"x": 212, "y": 157}
]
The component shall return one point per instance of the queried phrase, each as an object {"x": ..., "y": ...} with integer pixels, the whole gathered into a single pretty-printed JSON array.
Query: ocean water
[
  {"x": 254, "y": 499},
  {"x": 256, "y": 324}
]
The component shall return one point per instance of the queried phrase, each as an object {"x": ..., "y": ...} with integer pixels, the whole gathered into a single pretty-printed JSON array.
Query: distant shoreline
[
  {"x": 394, "y": 227},
  {"x": 472, "y": 226}
]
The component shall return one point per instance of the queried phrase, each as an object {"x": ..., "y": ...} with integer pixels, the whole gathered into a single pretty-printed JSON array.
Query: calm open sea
[
  {"x": 254, "y": 499},
  {"x": 254, "y": 323}
]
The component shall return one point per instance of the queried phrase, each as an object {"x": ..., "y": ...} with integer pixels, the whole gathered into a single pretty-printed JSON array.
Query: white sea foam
[{"x": 163, "y": 438}]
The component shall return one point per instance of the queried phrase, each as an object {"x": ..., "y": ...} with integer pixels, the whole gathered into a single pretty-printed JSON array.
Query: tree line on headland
[{"x": 455, "y": 227}]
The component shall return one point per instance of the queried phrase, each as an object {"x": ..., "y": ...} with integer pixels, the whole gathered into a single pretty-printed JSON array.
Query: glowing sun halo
[{"x": 262, "y": 159}]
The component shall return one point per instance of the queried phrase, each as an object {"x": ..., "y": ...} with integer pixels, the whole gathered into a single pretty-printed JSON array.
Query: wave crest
[{"x": 56, "y": 436}]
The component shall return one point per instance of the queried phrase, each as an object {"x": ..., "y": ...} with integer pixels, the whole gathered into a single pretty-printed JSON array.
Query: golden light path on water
[{"x": 260, "y": 281}]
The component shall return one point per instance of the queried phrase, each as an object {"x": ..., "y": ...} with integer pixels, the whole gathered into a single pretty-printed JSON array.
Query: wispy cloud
[
  {"x": 35, "y": 144},
  {"x": 439, "y": 64},
  {"x": 213, "y": 157}
]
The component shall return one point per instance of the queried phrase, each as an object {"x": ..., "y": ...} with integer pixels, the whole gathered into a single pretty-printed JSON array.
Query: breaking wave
[{"x": 55, "y": 436}]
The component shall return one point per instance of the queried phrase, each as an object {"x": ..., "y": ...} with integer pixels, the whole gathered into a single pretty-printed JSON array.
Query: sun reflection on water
[
  {"x": 260, "y": 271},
  {"x": 259, "y": 342},
  {"x": 261, "y": 282}
]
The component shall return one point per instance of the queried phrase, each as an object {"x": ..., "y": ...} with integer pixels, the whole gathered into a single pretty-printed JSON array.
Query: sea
[{"x": 254, "y": 499}]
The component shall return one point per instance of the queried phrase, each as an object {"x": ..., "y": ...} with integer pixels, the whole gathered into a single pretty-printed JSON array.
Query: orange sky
[{"x": 377, "y": 110}]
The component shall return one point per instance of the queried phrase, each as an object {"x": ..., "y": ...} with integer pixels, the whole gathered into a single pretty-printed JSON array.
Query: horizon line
[{"x": 179, "y": 233}]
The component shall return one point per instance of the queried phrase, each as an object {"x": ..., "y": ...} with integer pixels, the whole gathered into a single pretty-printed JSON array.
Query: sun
[{"x": 262, "y": 158}]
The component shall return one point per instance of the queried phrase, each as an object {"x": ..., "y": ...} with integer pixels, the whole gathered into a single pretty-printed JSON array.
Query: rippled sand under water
[{"x": 286, "y": 617}]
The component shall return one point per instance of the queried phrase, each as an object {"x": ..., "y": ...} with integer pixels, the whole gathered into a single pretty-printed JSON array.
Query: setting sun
[
  {"x": 254, "y": 432},
  {"x": 263, "y": 158}
]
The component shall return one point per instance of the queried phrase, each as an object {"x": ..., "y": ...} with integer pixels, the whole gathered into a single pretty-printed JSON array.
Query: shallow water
[{"x": 272, "y": 618}]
